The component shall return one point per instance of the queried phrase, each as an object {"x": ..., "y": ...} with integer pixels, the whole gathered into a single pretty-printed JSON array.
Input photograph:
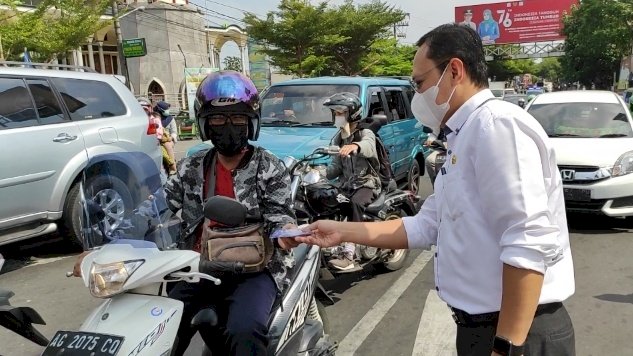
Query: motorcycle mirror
[{"x": 226, "y": 211}]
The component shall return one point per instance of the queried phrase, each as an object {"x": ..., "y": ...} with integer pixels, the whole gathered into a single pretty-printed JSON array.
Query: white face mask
[
  {"x": 425, "y": 108},
  {"x": 340, "y": 121}
]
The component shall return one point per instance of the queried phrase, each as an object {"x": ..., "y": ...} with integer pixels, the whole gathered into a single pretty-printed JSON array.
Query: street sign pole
[{"x": 119, "y": 43}]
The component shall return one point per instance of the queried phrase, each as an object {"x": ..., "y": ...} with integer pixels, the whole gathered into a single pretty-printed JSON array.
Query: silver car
[{"x": 51, "y": 121}]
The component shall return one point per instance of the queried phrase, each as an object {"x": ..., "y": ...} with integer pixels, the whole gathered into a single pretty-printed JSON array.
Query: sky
[{"x": 424, "y": 14}]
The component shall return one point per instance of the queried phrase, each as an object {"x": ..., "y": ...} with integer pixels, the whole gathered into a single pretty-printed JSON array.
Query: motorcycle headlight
[
  {"x": 108, "y": 279},
  {"x": 313, "y": 176},
  {"x": 624, "y": 165}
]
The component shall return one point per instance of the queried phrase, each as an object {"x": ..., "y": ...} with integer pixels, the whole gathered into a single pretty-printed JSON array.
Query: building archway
[
  {"x": 218, "y": 36},
  {"x": 155, "y": 91}
]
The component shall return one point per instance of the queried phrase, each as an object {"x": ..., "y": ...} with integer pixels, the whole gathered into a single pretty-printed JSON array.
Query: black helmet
[
  {"x": 227, "y": 92},
  {"x": 345, "y": 101},
  {"x": 322, "y": 198}
]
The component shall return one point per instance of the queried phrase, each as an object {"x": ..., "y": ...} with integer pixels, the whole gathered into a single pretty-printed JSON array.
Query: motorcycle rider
[
  {"x": 227, "y": 112},
  {"x": 170, "y": 133},
  {"x": 522, "y": 103},
  {"x": 356, "y": 166}
]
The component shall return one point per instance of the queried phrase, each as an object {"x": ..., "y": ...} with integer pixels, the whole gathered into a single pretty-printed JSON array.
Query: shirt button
[
  {"x": 436, "y": 254},
  {"x": 449, "y": 152},
  {"x": 437, "y": 289}
]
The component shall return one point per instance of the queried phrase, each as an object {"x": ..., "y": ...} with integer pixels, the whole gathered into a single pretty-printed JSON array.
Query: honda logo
[{"x": 567, "y": 174}]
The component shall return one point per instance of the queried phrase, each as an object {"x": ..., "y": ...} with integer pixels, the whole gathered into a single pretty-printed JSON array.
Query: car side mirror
[{"x": 225, "y": 211}]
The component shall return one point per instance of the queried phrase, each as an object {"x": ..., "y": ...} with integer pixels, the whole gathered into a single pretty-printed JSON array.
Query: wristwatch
[{"x": 504, "y": 347}]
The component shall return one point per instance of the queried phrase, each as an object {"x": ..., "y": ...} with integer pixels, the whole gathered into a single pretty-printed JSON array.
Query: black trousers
[
  {"x": 243, "y": 306},
  {"x": 359, "y": 199},
  {"x": 551, "y": 334}
]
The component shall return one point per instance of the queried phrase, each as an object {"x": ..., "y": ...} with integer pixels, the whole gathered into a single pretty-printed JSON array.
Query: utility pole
[
  {"x": 119, "y": 44},
  {"x": 399, "y": 28},
  {"x": 1, "y": 50}
]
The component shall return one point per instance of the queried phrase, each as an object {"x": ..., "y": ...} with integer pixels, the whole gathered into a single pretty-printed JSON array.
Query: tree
[
  {"x": 307, "y": 40},
  {"x": 598, "y": 35},
  {"x": 503, "y": 70},
  {"x": 232, "y": 63},
  {"x": 52, "y": 29},
  {"x": 550, "y": 69},
  {"x": 388, "y": 58}
]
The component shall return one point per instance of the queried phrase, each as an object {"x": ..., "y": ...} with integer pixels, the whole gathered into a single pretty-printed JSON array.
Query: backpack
[{"x": 384, "y": 170}]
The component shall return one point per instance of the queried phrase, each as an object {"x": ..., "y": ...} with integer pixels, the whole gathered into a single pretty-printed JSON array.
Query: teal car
[{"x": 295, "y": 122}]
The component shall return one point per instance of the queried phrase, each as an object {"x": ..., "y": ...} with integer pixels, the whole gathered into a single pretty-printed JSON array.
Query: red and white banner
[{"x": 516, "y": 21}]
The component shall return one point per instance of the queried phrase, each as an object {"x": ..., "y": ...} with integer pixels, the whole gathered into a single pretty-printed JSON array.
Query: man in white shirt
[{"x": 503, "y": 261}]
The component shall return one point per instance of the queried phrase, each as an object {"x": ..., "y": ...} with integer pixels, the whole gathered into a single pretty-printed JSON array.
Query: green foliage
[
  {"x": 308, "y": 40},
  {"x": 387, "y": 58},
  {"x": 599, "y": 34},
  {"x": 232, "y": 63},
  {"x": 53, "y": 28}
]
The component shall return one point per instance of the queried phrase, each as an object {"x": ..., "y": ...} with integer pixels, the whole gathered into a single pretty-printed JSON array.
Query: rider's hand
[
  {"x": 77, "y": 267},
  {"x": 288, "y": 242},
  {"x": 427, "y": 143},
  {"x": 348, "y": 150},
  {"x": 325, "y": 233}
]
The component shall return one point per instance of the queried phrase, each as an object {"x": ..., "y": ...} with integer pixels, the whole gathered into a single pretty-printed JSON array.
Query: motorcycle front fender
[{"x": 148, "y": 323}]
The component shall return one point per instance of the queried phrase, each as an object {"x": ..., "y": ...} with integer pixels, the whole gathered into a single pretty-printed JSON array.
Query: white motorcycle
[{"x": 135, "y": 241}]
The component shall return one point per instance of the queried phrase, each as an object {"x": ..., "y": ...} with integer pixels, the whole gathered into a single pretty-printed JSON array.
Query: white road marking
[
  {"x": 437, "y": 330},
  {"x": 355, "y": 338},
  {"x": 44, "y": 261}
]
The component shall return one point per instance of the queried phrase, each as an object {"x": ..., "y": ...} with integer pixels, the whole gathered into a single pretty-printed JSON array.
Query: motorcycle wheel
[
  {"x": 367, "y": 253},
  {"x": 396, "y": 258}
]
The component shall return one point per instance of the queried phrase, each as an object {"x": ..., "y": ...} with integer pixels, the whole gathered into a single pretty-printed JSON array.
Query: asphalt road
[{"x": 392, "y": 314}]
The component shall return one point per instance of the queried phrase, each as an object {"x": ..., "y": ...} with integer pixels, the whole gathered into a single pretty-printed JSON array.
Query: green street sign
[{"x": 134, "y": 47}]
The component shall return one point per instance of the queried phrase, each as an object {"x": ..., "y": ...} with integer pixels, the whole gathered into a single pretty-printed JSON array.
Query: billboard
[
  {"x": 193, "y": 78},
  {"x": 259, "y": 66},
  {"x": 516, "y": 21}
]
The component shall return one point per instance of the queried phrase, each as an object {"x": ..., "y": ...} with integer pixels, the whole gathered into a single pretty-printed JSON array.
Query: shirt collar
[{"x": 460, "y": 116}]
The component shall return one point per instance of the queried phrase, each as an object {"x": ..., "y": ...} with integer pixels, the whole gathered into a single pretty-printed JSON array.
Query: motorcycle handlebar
[{"x": 210, "y": 267}]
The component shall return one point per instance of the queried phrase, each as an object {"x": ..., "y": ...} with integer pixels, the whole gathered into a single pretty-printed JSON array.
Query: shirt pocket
[{"x": 452, "y": 194}]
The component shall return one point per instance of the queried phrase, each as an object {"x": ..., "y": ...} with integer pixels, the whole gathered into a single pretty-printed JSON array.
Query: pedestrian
[
  {"x": 503, "y": 262},
  {"x": 170, "y": 136}
]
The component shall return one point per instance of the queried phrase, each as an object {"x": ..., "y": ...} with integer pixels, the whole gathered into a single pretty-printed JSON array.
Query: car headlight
[
  {"x": 108, "y": 279},
  {"x": 624, "y": 165}
]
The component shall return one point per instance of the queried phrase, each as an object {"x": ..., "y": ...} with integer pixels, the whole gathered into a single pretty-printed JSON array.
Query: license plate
[
  {"x": 72, "y": 343},
  {"x": 573, "y": 194}
]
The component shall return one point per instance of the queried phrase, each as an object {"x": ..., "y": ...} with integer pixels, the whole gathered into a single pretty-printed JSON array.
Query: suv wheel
[
  {"x": 113, "y": 196},
  {"x": 414, "y": 175}
]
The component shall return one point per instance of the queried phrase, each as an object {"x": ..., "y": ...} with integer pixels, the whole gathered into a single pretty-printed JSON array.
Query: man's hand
[
  {"x": 348, "y": 150},
  {"x": 427, "y": 143},
  {"x": 325, "y": 233},
  {"x": 288, "y": 242},
  {"x": 77, "y": 267}
]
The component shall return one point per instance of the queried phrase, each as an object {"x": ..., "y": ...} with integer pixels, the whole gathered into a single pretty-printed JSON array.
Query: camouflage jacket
[{"x": 260, "y": 182}]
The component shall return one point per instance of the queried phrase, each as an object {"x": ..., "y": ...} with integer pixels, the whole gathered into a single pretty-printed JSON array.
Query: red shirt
[{"x": 223, "y": 186}]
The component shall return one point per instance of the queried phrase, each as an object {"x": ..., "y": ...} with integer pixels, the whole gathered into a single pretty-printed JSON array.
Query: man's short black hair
[{"x": 458, "y": 41}]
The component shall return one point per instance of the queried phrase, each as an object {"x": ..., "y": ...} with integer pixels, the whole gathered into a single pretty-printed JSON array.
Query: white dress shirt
[{"x": 498, "y": 199}]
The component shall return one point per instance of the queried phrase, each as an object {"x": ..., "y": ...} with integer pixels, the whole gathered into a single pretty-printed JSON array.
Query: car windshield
[
  {"x": 514, "y": 99},
  {"x": 300, "y": 105},
  {"x": 587, "y": 120},
  {"x": 497, "y": 92}
]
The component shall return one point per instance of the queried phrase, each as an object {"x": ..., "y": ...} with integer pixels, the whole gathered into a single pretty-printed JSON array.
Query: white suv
[
  {"x": 593, "y": 139},
  {"x": 51, "y": 121}
]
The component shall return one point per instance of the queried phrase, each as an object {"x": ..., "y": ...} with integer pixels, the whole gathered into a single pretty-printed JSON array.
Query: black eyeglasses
[
  {"x": 222, "y": 119},
  {"x": 418, "y": 84}
]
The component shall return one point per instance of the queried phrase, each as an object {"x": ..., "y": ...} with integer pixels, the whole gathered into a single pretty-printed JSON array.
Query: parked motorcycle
[
  {"x": 134, "y": 240},
  {"x": 20, "y": 320},
  {"x": 440, "y": 158},
  {"x": 314, "y": 198}
]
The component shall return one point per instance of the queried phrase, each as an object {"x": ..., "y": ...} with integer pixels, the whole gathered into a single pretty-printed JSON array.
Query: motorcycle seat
[{"x": 377, "y": 204}]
